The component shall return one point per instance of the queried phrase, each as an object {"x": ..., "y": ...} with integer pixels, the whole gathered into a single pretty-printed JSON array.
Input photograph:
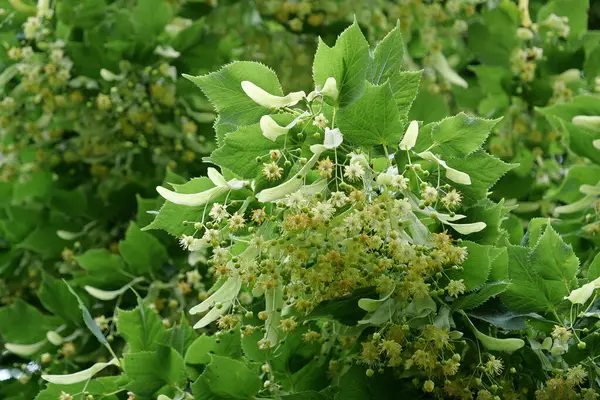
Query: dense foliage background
[{"x": 424, "y": 222}]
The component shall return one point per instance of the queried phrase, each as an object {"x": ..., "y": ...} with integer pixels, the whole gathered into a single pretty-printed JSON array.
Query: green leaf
[
  {"x": 294, "y": 363},
  {"x": 475, "y": 299},
  {"x": 499, "y": 270},
  {"x": 143, "y": 253},
  {"x": 493, "y": 39},
  {"x": 534, "y": 231},
  {"x": 429, "y": 107},
  {"x": 145, "y": 209},
  {"x": 312, "y": 376},
  {"x": 80, "y": 14},
  {"x": 513, "y": 226},
  {"x": 150, "y": 18},
  {"x": 355, "y": 385},
  {"x": 35, "y": 186},
  {"x": 575, "y": 355},
  {"x": 141, "y": 327},
  {"x": 103, "y": 268},
  {"x": 522, "y": 156},
  {"x": 44, "y": 241},
  {"x": 307, "y": 395},
  {"x": 492, "y": 214},
  {"x": 180, "y": 336},
  {"x": 555, "y": 259},
  {"x": 250, "y": 346},
  {"x": 225, "y": 378},
  {"x": 491, "y": 78},
  {"x": 591, "y": 66},
  {"x": 460, "y": 135},
  {"x": 224, "y": 90},
  {"x": 387, "y": 57},
  {"x": 421, "y": 307},
  {"x": 20, "y": 223},
  {"x": 347, "y": 62},
  {"x": 405, "y": 87},
  {"x": 594, "y": 269},
  {"x": 151, "y": 370},
  {"x": 541, "y": 277},
  {"x": 69, "y": 202},
  {"x": 56, "y": 298},
  {"x": 373, "y": 119},
  {"x": 24, "y": 324},
  {"x": 502, "y": 318},
  {"x": 528, "y": 292},
  {"x": 241, "y": 148},
  {"x": 228, "y": 345},
  {"x": 476, "y": 268}
]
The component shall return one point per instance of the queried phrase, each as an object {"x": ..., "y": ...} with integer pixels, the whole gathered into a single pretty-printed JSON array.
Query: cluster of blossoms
[
  {"x": 553, "y": 30},
  {"x": 136, "y": 105},
  {"x": 342, "y": 222},
  {"x": 523, "y": 137},
  {"x": 524, "y": 62},
  {"x": 336, "y": 221},
  {"x": 382, "y": 17},
  {"x": 438, "y": 28}
]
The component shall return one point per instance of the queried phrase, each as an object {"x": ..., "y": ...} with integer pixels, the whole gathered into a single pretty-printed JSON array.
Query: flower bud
[
  {"x": 428, "y": 386},
  {"x": 524, "y": 33}
]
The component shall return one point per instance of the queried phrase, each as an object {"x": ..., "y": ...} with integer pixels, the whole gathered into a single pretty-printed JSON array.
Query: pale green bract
[{"x": 80, "y": 376}]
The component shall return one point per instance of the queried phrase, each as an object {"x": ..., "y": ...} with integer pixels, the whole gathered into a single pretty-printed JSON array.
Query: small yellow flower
[
  {"x": 429, "y": 194},
  {"x": 369, "y": 354},
  {"x": 325, "y": 168},
  {"x": 68, "y": 349},
  {"x": 288, "y": 325},
  {"x": 428, "y": 386},
  {"x": 452, "y": 199},
  {"x": 320, "y": 121},
  {"x": 272, "y": 171},
  {"x": 65, "y": 396},
  {"x": 103, "y": 102},
  {"x": 259, "y": 215},
  {"x": 311, "y": 336},
  {"x": 228, "y": 321},
  {"x": 494, "y": 366},
  {"x": 456, "y": 288},
  {"x": 218, "y": 212},
  {"x": 576, "y": 375},
  {"x": 237, "y": 221},
  {"x": 354, "y": 171}
]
